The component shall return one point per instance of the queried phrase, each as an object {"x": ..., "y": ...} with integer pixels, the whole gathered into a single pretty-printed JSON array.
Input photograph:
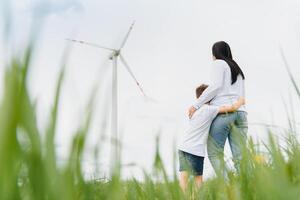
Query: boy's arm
[{"x": 234, "y": 107}]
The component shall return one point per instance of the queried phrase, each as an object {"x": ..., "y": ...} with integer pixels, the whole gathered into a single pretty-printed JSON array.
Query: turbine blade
[
  {"x": 90, "y": 44},
  {"x": 127, "y": 35},
  {"x": 131, "y": 73}
]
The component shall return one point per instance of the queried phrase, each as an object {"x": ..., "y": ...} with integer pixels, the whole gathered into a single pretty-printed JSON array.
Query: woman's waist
[
  {"x": 227, "y": 101},
  {"x": 224, "y": 101}
]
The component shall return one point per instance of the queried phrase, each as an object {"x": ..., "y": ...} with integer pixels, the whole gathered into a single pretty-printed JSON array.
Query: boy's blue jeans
[{"x": 233, "y": 126}]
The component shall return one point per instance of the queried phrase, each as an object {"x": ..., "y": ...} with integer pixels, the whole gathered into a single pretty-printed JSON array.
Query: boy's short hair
[{"x": 200, "y": 90}]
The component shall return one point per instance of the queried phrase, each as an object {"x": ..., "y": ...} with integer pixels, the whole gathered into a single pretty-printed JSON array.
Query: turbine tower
[{"x": 115, "y": 56}]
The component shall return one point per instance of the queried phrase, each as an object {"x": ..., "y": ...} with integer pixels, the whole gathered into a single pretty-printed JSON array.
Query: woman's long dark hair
[{"x": 221, "y": 50}]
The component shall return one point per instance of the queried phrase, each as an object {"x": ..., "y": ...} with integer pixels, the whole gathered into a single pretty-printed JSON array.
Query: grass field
[{"x": 28, "y": 168}]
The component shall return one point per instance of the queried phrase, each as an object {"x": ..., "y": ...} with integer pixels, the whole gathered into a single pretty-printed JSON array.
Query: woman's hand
[{"x": 191, "y": 111}]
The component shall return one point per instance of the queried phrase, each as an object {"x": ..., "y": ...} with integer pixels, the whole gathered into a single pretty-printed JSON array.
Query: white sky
[{"x": 170, "y": 53}]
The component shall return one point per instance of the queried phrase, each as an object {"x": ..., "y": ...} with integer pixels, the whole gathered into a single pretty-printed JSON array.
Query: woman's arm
[
  {"x": 234, "y": 107},
  {"x": 217, "y": 79}
]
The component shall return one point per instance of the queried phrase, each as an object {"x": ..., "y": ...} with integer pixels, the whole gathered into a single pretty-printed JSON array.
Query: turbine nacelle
[{"x": 115, "y": 54}]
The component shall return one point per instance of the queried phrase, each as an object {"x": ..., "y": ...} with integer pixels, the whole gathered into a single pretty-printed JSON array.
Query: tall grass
[{"x": 28, "y": 168}]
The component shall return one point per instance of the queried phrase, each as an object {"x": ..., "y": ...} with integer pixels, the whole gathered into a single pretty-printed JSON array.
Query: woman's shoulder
[
  {"x": 219, "y": 62},
  {"x": 219, "y": 65}
]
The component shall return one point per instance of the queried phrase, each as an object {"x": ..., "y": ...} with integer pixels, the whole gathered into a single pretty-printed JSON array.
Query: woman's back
[{"x": 228, "y": 93}]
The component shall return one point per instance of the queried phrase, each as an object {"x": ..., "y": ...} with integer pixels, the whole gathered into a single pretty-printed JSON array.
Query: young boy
[{"x": 193, "y": 144}]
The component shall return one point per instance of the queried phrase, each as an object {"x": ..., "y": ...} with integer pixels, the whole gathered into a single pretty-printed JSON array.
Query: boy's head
[{"x": 200, "y": 90}]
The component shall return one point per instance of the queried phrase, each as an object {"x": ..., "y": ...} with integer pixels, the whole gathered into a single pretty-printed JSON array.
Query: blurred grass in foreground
[{"x": 28, "y": 168}]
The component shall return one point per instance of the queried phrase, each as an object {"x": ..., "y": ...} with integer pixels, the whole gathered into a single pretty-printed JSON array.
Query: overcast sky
[{"x": 170, "y": 53}]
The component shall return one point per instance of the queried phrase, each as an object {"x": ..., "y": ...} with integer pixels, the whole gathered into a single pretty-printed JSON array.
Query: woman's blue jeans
[{"x": 233, "y": 126}]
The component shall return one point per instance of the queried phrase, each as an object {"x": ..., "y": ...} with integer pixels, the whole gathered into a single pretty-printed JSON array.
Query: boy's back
[{"x": 195, "y": 137}]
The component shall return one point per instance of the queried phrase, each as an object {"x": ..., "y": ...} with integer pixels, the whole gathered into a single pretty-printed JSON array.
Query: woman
[{"x": 227, "y": 85}]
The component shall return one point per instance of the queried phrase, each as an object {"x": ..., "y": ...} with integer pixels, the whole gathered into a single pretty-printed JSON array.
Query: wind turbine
[{"x": 115, "y": 56}]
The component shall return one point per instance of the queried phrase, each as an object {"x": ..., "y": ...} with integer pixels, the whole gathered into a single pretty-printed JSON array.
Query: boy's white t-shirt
[{"x": 195, "y": 137}]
